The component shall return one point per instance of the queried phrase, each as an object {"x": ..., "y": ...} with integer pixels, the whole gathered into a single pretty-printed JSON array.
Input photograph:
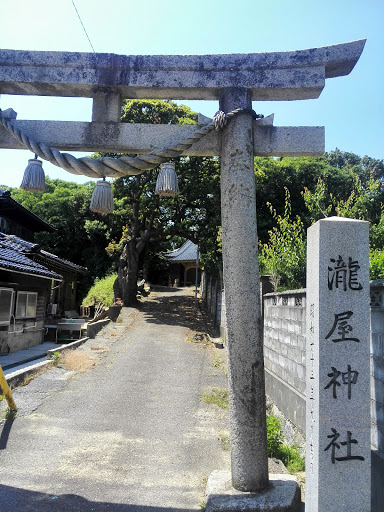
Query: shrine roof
[{"x": 187, "y": 252}]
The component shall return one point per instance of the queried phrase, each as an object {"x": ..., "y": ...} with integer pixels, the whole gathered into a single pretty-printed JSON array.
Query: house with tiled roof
[
  {"x": 183, "y": 262},
  {"x": 25, "y": 286},
  {"x": 63, "y": 296},
  {"x": 33, "y": 283}
]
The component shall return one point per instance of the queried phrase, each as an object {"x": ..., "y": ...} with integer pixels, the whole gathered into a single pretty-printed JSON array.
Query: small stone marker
[{"x": 338, "y": 454}]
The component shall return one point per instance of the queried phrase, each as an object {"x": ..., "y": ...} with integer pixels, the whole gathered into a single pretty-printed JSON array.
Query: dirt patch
[{"x": 78, "y": 360}]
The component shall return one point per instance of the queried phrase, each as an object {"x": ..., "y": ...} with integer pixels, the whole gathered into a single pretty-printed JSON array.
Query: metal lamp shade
[
  {"x": 34, "y": 177},
  {"x": 166, "y": 184},
  {"x": 102, "y": 198}
]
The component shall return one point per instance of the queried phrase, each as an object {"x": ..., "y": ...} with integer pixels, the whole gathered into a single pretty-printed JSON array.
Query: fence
[{"x": 212, "y": 293}]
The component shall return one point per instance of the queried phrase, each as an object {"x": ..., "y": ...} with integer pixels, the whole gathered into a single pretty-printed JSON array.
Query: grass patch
[
  {"x": 292, "y": 458},
  {"x": 78, "y": 360},
  {"x": 224, "y": 438},
  {"x": 100, "y": 348},
  {"x": 199, "y": 337},
  {"x": 218, "y": 362},
  {"x": 289, "y": 455},
  {"x": 216, "y": 396}
]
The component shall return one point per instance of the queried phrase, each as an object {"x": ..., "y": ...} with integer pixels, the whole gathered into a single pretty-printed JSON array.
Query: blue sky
[{"x": 351, "y": 108}]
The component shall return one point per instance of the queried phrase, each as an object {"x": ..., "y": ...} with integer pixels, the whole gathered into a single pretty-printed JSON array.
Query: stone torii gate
[{"x": 235, "y": 80}]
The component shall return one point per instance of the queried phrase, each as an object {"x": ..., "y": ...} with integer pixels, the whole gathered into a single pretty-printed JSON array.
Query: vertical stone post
[
  {"x": 106, "y": 106},
  {"x": 338, "y": 367},
  {"x": 249, "y": 459}
]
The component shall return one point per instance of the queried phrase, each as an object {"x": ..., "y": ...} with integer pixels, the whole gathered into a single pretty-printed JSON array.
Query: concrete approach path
[{"x": 128, "y": 435}]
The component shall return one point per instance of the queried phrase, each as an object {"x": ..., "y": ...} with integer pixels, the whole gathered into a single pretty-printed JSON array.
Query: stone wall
[{"x": 284, "y": 353}]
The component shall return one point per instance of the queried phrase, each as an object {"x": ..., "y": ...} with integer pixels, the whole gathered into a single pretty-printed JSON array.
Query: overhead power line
[{"x": 82, "y": 24}]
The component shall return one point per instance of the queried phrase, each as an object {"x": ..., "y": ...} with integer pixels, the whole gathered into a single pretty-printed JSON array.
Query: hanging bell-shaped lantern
[
  {"x": 34, "y": 178},
  {"x": 102, "y": 197},
  {"x": 166, "y": 184}
]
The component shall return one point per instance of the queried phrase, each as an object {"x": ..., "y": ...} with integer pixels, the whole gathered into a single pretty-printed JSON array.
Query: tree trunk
[{"x": 127, "y": 275}]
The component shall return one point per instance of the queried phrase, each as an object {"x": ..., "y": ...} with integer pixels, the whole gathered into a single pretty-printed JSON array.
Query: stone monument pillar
[{"x": 338, "y": 367}]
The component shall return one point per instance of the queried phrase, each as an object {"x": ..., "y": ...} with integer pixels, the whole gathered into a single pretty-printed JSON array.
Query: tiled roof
[
  {"x": 18, "y": 244},
  {"x": 47, "y": 258},
  {"x": 13, "y": 260},
  {"x": 61, "y": 262},
  {"x": 187, "y": 252}
]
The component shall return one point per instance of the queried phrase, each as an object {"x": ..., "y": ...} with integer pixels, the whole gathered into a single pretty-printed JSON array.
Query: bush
[
  {"x": 289, "y": 455},
  {"x": 274, "y": 435},
  {"x": 101, "y": 291},
  {"x": 376, "y": 264},
  {"x": 291, "y": 458}
]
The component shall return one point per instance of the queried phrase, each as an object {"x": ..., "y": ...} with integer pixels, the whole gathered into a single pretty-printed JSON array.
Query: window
[
  {"x": 26, "y": 305},
  {"x": 6, "y": 303}
]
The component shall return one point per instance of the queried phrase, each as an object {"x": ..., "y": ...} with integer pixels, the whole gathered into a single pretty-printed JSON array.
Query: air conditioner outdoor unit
[{"x": 51, "y": 309}]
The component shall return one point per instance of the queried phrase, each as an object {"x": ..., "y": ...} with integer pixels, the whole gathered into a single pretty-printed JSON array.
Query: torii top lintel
[{"x": 294, "y": 75}]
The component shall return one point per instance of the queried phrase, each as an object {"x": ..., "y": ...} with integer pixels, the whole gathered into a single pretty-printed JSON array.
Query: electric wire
[{"x": 82, "y": 24}]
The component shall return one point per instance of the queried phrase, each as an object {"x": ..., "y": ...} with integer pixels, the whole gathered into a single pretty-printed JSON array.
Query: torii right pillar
[{"x": 248, "y": 487}]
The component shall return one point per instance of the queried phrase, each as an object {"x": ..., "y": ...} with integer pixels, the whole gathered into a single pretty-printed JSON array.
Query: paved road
[{"x": 130, "y": 434}]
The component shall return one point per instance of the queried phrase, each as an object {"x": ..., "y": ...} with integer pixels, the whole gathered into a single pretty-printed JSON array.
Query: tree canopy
[
  {"x": 81, "y": 235},
  {"x": 342, "y": 184},
  {"x": 149, "y": 221},
  {"x": 291, "y": 194}
]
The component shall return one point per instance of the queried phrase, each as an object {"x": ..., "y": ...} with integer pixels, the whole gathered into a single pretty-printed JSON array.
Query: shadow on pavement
[
  {"x": 178, "y": 310},
  {"x": 13, "y": 499},
  {"x": 165, "y": 289},
  {"x": 5, "y": 434}
]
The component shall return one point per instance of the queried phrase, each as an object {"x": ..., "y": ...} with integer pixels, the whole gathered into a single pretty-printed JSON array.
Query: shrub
[
  {"x": 101, "y": 291},
  {"x": 289, "y": 455},
  {"x": 274, "y": 435}
]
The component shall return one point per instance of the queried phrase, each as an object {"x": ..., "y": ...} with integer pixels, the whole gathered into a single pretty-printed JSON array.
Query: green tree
[
  {"x": 283, "y": 256},
  {"x": 337, "y": 183},
  {"x": 362, "y": 203},
  {"x": 81, "y": 235},
  {"x": 148, "y": 219}
]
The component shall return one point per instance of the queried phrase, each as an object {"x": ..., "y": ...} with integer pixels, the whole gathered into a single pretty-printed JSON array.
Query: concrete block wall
[
  {"x": 377, "y": 364},
  {"x": 284, "y": 352}
]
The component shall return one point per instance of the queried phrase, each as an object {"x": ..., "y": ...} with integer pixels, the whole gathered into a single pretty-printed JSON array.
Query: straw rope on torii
[{"x": 116, "y": 167}]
